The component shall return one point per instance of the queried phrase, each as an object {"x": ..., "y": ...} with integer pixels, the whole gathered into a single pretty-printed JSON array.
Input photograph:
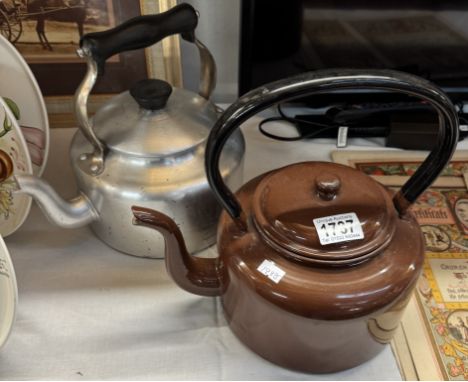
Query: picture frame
[{"x": 52, "y": 56}]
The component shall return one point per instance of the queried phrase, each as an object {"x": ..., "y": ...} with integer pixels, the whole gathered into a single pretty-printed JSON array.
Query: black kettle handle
[
  {"x": 326, "y": 81},
  {"x": 140, "y": 32}
]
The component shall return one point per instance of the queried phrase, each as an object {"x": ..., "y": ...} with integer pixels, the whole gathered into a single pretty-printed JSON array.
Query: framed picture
[{"x": 47, "y": 34}]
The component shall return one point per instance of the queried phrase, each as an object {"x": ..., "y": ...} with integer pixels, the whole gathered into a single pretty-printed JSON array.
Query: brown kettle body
[{"x": 317, "y": 261}]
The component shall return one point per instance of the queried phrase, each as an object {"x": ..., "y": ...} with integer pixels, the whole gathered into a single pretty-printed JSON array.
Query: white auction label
[
  {"x": 271, "y": 270},
  {"x": 338, "y": 228}
]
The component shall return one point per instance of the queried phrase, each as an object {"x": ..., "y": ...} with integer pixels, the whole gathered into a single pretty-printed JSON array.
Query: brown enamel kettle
[{"x": 316, "y": 260}]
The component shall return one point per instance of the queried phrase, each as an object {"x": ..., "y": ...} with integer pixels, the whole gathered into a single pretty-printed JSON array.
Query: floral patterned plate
[
  {"x": 14, "y": 208},
  {"x": 20, "y": 89},
  {"x": 8, "y": 293}
]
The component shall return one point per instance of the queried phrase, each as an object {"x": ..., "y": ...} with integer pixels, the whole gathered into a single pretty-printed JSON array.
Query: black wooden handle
[{"x": 140, "y": 32}]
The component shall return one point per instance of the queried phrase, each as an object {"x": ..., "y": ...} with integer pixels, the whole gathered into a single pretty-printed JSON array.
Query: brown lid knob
[{"x": 328, "y": 186}]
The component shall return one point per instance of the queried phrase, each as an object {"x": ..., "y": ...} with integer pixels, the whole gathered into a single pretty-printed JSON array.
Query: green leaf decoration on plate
[
  {"x": 13, "y": 107},
  {"x": 6, "y": 126},
  {"x": 16, "y": 112}
]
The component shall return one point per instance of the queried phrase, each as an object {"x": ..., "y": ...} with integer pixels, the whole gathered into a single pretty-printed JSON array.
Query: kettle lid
[
  {"x": 153, "y": 119},
  {"x": 324, "y": 213}
]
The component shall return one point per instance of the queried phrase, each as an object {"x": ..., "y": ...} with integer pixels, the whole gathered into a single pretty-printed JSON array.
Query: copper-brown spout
[{"x": 194, "y": 274}]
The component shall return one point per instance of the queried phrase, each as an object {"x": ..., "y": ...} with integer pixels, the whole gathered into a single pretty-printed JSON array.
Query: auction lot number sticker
[
  {"x": 271, "y": 270},
  {"x": 338, "y": 228}
]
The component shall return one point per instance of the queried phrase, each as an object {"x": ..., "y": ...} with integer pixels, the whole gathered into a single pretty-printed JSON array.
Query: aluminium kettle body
[
  {"x": 317, "y": 261},
  {"x": 144, "y": 146}
]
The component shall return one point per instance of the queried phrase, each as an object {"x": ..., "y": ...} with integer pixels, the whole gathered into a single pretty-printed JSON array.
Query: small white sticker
[
  {"x": 270, "y": 270},
  {"x": 342, "y": 139},
  {"x": 338, "y": 228}
]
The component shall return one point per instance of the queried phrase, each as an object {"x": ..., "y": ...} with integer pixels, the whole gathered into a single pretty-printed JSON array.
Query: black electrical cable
[
  {"x": 293, "y": 120},
  {"x": 335, "y": 116}
]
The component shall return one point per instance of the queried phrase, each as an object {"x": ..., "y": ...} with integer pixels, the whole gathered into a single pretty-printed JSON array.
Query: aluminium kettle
[
  {"x": 144, "y": 146},
  {"x": 317, "y": 260}
]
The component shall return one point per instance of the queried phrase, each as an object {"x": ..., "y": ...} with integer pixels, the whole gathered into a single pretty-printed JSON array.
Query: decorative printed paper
[{"x": 435, "y": 325}]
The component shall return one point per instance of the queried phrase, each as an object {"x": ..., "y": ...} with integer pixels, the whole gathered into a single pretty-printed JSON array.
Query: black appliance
[{"x": 423, "y": 37}]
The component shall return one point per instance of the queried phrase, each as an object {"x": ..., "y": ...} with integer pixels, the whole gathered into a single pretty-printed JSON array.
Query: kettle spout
[
  {"x": 196, "y": 275},
  {"x": 68, "y": 214}
]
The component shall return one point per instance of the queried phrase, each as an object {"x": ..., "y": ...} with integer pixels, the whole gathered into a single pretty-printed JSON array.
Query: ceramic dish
[
  {"x": 8, "y": 293},
  {"x": 19, "y": 88},
  {"x": 14, "y": 208}
]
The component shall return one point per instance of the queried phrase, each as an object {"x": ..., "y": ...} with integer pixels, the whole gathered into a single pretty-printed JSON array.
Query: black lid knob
[{"x": 151, "y": 94}]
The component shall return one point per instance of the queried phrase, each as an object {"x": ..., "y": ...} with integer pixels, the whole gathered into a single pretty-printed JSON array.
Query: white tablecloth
[{"x": 87, "y": 311}]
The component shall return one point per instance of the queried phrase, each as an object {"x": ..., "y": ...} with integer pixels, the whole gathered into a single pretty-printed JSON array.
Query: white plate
[
  {"x": 8, "y": 293},
  {"x": 18, "y": 84},
  {"x": 14, "y": 207}
]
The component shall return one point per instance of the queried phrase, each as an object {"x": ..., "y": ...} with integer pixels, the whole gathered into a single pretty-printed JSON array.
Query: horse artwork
[
  {"x": 46, "y": 31},
  {"x": 56, "y": 10}
]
